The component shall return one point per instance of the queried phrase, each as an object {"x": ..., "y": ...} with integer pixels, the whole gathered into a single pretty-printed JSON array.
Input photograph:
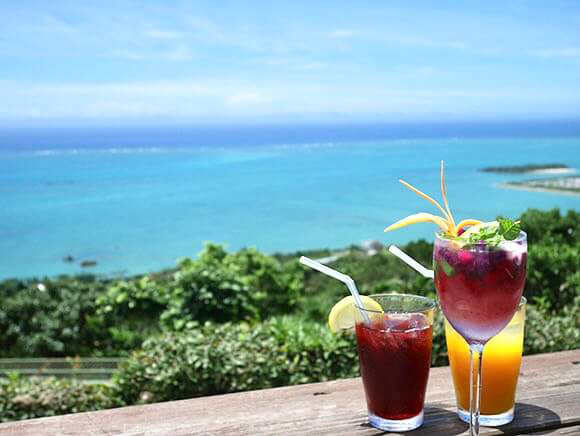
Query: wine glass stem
[{"x": 475, "y": 364}]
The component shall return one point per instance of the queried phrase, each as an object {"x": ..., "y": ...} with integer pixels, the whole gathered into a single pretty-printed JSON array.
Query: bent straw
[
  {"x": 411, "y": 262},
  {"x": 347, "y": 280}
]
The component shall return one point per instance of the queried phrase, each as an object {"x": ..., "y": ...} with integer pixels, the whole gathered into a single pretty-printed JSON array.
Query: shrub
[
  {"x": 130, "y": 311},
  {"x": 553, "y": 274},
  {"x": 50, "y": 317},
  {"x": 214, "y": 359},
  {"x": 222, "y": 287},
  {"x": 26, "y": 398},
  {"x": 550, "y": 226},
  {"x": 547, "y": 332}
]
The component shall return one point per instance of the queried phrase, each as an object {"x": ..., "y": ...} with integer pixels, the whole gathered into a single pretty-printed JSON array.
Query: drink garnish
[
  {"x": 343, "y": 314},
  {"x": 466, "y": 231},
  {"x": 493, "y": 232},
  {"x": 446, "y": 222}
]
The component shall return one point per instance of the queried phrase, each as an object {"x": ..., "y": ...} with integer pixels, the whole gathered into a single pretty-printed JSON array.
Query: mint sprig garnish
[
  {"x": 494, "y": 234},
  {"x": 509, "y": 229}
]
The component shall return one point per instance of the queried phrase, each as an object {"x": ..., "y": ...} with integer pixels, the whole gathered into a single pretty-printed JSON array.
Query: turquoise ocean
[{"x": 138, "y": 199}]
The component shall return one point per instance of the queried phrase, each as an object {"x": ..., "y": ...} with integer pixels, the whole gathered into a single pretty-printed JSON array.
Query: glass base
[
  {"x": 488, "y": 420},
  {"x": 396, "y": 424}
]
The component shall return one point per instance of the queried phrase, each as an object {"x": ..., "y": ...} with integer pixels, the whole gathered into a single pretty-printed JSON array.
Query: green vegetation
[
  {"x": 22, "y": 398},
  {"x": 518, "y": 169},
  {"x": 230, "y": 357},
  {"x": 227, "y": 322}
]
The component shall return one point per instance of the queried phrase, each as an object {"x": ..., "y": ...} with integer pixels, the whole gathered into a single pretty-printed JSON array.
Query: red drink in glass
[{"x": 395, "y": 356}]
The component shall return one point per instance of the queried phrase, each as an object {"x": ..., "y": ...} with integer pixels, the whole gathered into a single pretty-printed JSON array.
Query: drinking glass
[
  {"x": 500, "y": 371},
  {"x": 479, "y": 288},
  {"x": 394, "y": 351}
]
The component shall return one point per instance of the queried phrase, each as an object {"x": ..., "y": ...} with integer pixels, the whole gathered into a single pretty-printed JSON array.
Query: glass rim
[
  {"x": 522, "y": 236},
  {"x": 428, "y": 303}
]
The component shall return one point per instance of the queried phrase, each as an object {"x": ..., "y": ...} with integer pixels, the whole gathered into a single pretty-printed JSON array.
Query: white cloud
[
  {"x": 105, "y": 108},
  {"x": 163, "y": 34},
  {"x": 418, "y": 41},
  {"x": 241, "y": 99},
  {"x": 176, "y": 53},
  {"x": 128, "y": 89},
  {"x": 179, "y": 53},
  {"x": 247, "y": 98},
  {"x": 343, "y": 34},
  {"x": 565, "y": 52},
  {"x": 399, "y": 39},
  {"x": 51, "y": 25}
]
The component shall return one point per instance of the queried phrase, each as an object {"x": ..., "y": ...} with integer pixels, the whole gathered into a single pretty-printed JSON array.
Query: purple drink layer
[
  {"x": 395, "y": 357},
  {"x": 479, "y": 287}
]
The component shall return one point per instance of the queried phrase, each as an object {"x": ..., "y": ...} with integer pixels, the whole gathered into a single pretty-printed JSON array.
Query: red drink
[
  {"x": 479, "y": 286},
  {"x": 395, "y": 357}
]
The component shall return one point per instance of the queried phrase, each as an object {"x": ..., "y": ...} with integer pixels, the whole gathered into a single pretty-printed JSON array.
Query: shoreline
[
  {"x": 554, "y": 191},
  {"x": 553, "y": 171}
]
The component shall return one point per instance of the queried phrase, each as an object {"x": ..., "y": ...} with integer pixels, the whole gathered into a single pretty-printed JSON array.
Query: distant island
[{"x": 529, "y": 168}]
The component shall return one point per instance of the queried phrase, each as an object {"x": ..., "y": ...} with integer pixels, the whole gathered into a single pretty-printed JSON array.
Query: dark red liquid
[
  {"x": 479, "y": 288},
  {"x": 395, "y": 357}
]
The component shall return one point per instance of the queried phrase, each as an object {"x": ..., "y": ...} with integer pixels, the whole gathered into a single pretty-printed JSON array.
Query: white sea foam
[{"x": 101, "y": 151}]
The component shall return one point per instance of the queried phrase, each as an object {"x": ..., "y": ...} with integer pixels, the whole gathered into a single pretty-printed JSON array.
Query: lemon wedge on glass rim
[{"x": 343, "y": 314}]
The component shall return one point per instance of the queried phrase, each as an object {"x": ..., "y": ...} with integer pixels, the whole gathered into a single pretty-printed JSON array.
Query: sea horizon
[
  {"x": 136, "y": 199},
  {"x": 22, "y": 138}
]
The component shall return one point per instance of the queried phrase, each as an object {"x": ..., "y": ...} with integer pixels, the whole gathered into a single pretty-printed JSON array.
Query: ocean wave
[
  {"x": 51, "y": 152},
  {"x": 112, "y": 150},
  {"x": 306, "y": 145}
]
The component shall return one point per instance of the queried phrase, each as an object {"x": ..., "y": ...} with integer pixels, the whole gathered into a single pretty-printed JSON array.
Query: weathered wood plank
[
  {"x": 565, "y": 431},
  {"x": 548, "y": 400}
]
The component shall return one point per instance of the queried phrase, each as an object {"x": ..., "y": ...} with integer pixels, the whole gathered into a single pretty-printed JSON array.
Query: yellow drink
[{"x": 502, "y": 357}]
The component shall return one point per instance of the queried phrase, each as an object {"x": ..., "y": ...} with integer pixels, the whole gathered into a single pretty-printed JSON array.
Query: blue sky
[{"x": 222, "y": 61}]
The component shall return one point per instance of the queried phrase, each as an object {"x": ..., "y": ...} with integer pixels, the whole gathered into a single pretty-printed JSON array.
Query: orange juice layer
[{"x": 502, "y": 357}]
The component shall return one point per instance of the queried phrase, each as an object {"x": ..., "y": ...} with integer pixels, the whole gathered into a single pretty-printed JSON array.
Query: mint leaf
[
  {"x": 495, "y": 233},
  {"x": 448, "y": 269},
  {"x": 508, "y": 229},
  {"x": 487, "y": 234}
]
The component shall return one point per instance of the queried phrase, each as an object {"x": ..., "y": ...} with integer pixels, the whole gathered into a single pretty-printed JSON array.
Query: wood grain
[{"x": 548, "y": 402}]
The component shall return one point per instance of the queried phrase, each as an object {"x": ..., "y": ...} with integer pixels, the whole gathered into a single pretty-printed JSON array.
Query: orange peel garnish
[
  {"x": 446, "y": 222},
  {"x": 444, "y": 194},
  {"x": 421, "y": 217},
  {"x": 467, "y": 223}
]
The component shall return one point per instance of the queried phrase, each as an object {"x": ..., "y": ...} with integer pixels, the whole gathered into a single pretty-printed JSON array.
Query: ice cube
[
  {"x": 398, "y": 322},
  {"x": 514, "y": 251}
]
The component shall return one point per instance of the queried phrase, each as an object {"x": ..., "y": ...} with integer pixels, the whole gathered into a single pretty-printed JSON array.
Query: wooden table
[{"x": 548, "y": 402}]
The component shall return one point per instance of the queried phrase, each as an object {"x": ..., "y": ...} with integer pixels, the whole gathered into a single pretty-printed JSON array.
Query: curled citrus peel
[{"x": 445, "y": 222}]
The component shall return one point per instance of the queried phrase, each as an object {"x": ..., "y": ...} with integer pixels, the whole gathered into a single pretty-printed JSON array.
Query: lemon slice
[{"x": 343, "y": 314}]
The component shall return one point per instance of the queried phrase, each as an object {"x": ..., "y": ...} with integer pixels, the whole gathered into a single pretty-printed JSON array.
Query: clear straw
[
  {"x": 411, "y": 262},
  {"x": 347, "y": 280}
]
